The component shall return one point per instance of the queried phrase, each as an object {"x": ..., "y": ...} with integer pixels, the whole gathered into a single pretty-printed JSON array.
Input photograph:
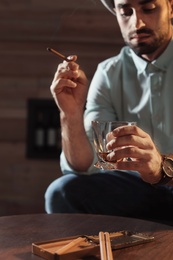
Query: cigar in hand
[{"x": 59, "y": 54}]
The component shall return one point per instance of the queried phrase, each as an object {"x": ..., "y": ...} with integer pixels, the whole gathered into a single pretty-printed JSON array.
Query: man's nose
[{"x": 137, "y": 20}]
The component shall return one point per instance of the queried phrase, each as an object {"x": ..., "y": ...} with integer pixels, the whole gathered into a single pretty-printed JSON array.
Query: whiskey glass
[{"x": 101, "y": 136}]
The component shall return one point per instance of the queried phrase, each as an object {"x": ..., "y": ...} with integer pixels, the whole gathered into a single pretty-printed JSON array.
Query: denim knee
[{"x": 55, "y": 201}]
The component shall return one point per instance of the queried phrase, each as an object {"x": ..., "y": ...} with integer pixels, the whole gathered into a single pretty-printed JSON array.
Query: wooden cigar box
[
  {"x": 79, "y": 247},
  {"x": 70, "y": 248}
]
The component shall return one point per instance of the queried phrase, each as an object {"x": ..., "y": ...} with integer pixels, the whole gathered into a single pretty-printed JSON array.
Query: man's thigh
[{"x": 118, "y": 193}]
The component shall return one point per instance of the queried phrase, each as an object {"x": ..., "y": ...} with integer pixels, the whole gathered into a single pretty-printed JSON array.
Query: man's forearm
[{"x": 75, "y": 143}]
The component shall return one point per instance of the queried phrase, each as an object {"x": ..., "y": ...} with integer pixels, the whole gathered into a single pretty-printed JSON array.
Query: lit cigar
[{"x": 58, "y": 54}]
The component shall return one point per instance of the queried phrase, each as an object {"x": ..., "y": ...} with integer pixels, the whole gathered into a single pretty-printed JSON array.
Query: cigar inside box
[
  {"x": 69, "y": 248},
  {"x": 78, "y": 247}
]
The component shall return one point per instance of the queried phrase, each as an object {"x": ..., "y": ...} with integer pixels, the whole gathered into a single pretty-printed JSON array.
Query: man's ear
[
  {"x": 171, "y": 6},
  {"x": 115, "y": 10}
]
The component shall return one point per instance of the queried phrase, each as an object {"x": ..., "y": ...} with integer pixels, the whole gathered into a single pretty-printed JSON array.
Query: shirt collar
[
  {"x": 140, "y": 63},
  {"x": 165, "y": 58},
  {"x": 162, "y": 62}
]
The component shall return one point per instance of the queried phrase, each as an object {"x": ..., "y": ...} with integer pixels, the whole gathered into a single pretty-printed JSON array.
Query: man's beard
[{"x": 143, "y": 48}]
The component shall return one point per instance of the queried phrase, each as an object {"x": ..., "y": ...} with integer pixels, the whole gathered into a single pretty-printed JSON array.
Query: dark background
[{"x": 27, "y": 28}]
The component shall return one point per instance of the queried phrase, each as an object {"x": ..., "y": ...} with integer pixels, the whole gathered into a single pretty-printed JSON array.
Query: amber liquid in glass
[{"x": 103, "y": 155}]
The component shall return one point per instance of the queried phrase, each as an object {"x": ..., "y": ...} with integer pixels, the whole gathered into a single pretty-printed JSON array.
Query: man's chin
[{"x": 141, "y": 48}]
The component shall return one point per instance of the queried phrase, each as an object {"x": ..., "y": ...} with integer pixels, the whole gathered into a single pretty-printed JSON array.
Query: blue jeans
[{"x": 109, "y": 193}]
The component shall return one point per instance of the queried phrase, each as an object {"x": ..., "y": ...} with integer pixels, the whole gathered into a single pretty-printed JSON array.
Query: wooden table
[{"x": 17, "y": 233}]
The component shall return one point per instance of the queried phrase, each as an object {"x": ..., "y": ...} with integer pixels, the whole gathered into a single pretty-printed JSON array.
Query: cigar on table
[
  {"x": 59, "y": 54},
  {"x": 105, "y": 246}
]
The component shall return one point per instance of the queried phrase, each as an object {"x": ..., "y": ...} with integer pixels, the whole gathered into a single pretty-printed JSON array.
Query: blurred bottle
[
  {"x": 40, "y": 131},
  {"x": 52, "y": 131}
]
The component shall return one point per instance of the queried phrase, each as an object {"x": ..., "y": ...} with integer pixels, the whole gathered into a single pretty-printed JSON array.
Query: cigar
[
  {"x": 105, "y": 246},
  {"x": 102, "y": 246},
  {"x": 108, "y": 246},
  {"x": 59, "y": 54},
  {"x": 70, "y": 245}
]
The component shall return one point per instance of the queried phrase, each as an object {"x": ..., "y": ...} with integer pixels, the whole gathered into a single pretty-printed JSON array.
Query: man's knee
[{"x": 57, "y": 193}]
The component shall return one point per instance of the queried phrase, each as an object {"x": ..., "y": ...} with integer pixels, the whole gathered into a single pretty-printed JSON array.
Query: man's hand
[
  {"x": 69, "y": 87},
  {"x": 132, "y": 142}
]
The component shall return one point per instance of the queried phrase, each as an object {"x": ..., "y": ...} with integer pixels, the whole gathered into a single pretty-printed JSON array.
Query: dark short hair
[{"x": 109, "y": 4}]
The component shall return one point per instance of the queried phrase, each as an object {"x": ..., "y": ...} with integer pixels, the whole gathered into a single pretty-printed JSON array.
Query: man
[{"x": 136, "y": 85}]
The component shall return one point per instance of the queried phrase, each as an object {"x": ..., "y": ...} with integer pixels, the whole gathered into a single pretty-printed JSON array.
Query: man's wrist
[{"x": 166, "y": 170}]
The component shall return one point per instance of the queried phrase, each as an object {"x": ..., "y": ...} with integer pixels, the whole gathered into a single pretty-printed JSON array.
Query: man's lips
[
  {"x": 139, "y": 37},
  {"x": 141, "y": 34}
]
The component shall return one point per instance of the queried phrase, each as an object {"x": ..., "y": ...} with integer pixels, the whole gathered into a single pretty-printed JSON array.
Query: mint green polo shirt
[{"x": 127, "y": 87}]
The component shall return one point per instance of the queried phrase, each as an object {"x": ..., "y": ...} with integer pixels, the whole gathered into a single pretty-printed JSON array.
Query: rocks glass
[{"x": 101, "y": 136}]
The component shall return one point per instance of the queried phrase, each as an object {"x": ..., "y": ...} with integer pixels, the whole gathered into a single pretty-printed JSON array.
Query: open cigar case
[{"x": 80, "y": 247}]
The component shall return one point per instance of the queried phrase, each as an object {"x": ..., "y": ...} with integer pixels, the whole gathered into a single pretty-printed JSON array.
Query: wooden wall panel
[{"x": 28, "y": 27}]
